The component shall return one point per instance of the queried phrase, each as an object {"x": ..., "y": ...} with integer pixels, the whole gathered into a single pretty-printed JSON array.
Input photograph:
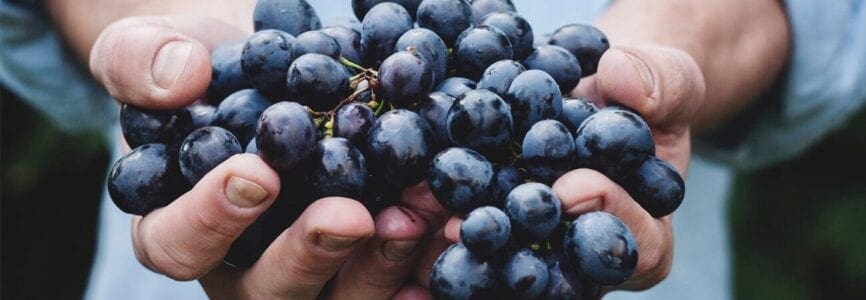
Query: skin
[{"x": 681, "y": 64}]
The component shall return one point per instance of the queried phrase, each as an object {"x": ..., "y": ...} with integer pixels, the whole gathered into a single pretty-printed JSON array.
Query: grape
[
  {"x": 575, "y": 110},
  {"x": 656, "y": 186},
  {"x": 534, "y": 210},
  {"x": 227, "y": 76},
  {"x": 601, "y": 246},
  {"x": 146, "y": 178},
  {"x": 204, "y": 149},
  {"x": 455, "y": 86},
  {"x": 240, "y": 112},
  {"x": 318, "y": 81},
  {"x": 435, "y": 112},
  {"x": 349, "y": 40},
  {"x": 361, "y": 7},
  {"x": 381, "y": 28},
  {"x": 566, "y": 284},
  {"x": 292, "y": 16},
  {"x": 485, "y": 231},
  {"x": 338, "y": 169},
  {"x": 559, "y": 63},
  {"x": 480, "y": 120},
  {"x": 548, "y": 151},
  {"x": 285, "y": 136},
  {"x": 202, "y": 114},
  {"x": 316, "y": 42},
  {"x": 144, "y": 126},
  {"x": 352, "y": 121},
  {"x": 516, "y": 28},
  {"x": 429, "y": 46},
  {"x": 399, "y": 147},
  {"x": 498, "y": 76},
  {"x": 265, "y": 59},
  {"x": 405, "y": 78},
  {"x": 251, "y": 147},
  {"x": 533, "y": 96},
  {"x": 460, "y": 179},
  {"x": 459, "y": 274},
  {"x": 477, "y": 48},
  {"x": 447, "y": 18},
  {"x": 585, "y": 42},
  {"x": 525, "y": 274},
  {"x": 481, "y": 8},
  {"x": 614, "y": 142},
  {"x": 505, "y": 178}
]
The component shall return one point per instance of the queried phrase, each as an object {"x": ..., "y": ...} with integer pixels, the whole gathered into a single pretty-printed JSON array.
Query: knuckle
[
  {"x": 173, "y": 263},
  {"x": 215, "y": 231}
]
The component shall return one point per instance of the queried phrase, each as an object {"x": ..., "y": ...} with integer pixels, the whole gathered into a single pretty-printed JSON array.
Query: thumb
[
  {"x": 664, "y": 85},
  {"x": 158, "y": 62}
]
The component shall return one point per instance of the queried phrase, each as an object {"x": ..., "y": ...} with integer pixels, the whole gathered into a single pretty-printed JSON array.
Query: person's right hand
[{"x": 163, "y": 62}]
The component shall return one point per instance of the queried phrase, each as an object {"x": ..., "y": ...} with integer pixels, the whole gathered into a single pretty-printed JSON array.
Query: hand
[{"x": 163, "y": 62}]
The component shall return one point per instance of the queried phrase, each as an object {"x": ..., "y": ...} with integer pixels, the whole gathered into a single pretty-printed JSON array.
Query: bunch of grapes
[{"x": 454, "y": 92}]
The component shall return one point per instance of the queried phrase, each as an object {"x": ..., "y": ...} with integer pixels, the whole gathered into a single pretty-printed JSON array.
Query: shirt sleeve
[
  {"x": 823, "y": 88},
  {"x": 35, "y": 66}
]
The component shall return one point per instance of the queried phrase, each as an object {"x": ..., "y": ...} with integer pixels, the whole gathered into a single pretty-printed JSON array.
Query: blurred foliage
[
  {"x": 798, "y": 227},
  {"x": 51, "y": 186}
]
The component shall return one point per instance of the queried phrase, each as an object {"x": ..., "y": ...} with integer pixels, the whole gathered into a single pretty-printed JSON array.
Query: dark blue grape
[
  {"x": 352, "y": 121},
  {"x": 656, "y": 186},
  {"x": 379, "y": 194},
  {"x": 455, "y": 86},
  {"x": 481, "y": 8},
  {"x": 405, "y": 78},
  {"x": 240, "y": 112},
  {"x": 348, "y": 22},
  {"x": 265, "y": 59},
  {"x": 227, "y": 76},
  {"x": 534, "y": 210},
  {"x": 559, "y": 63},
  {"x": 516, "y": 28},
  {"x": 498, "y": 77},
  {"x": 478, "y": 48},
  {"x": 292, "y": 16},
  {"x": 430, "y": 47},
  {"x": 146, "y": 178},
  {"x": 399, "y": 147},
  {"x": 485, "y": 231},
  {"x": 202, "y": 114},
  {"x": 381, "y": 28},
  {"x": 361, "y": 7},
  {"x": 459, "y": 274},
  {"x": 481, "y": 120},
  {"x": 613, "y": 141},
  {"x": 251, "y": 147},
  {"x": 447, "y": 18},
  {"x": 318, "y": 81},
  {"x": 285, "y": 136},
  {"x": 337, "y": 169},
  {"x": 533, "y": 96},
  {"x": 575, "y": 110},
  {"x": 435, "y": 112},
  {"x": 548, "y": 151},
  {"x": 505, "y": 178},
  {"x": 566, "y": 284},
  {"x": 349, "y": 40},
  {"x": 144, "y": 126},
  {"x": 599, "y": 245},
  {"x": 204, "y": 149},
  {"x": 525, "y": 274},
  {"x": 585, "y": 42},
  {"x": 316, "y": 42},
  {"x": 460, "y": 179}
]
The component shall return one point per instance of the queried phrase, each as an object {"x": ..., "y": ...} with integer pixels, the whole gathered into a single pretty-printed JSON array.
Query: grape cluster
[{"x": 454, "y": 92}]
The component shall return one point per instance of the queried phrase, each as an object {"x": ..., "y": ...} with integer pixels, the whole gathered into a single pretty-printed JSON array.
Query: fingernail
[
  {"x": 336, "y": 243},
  {"x": 170, "y": 62},
  {"x": 244, "y": 193},
  {"x": 398, "y": 250},
  {"x": 638, "y": 65}
]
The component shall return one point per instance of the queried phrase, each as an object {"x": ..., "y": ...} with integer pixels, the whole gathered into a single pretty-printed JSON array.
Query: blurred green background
[{"x": 799, "y": 228}]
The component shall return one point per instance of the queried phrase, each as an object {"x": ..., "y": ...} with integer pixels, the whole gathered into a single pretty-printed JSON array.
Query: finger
[
  {"x": 586, "y": 190},
  {"x": 158, "y": 62},
  {"x": 420, "y": 199},
  {"x": 664, "y": 85},
  {"x": 302, "y": 259},
  {"x": 452, "y": 229},
  {"x": 380, "y": 267},
  {"x": 191, "y": 235},
  {"x": 413, "y": 292},
  {"x": 432, "y": 248}
]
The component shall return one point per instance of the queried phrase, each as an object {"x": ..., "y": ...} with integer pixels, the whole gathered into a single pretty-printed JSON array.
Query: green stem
[{"x": 351, "y": 64}]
